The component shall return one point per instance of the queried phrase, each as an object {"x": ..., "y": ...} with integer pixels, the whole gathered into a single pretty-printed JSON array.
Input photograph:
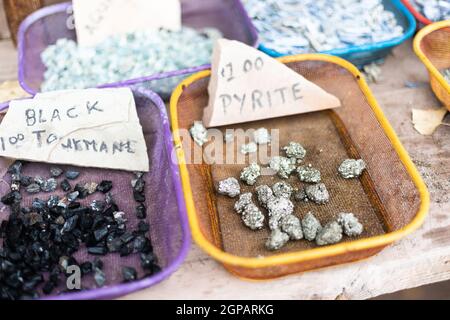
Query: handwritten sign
[
  {"x": 247, "y": 85},
  {"x": 96, "y": 20},
  {"x": 89, "y": 128}
]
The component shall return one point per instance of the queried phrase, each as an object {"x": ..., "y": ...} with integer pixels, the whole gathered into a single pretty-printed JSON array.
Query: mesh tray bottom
[
  {"x": 323, "y": 136},
  {"x": 328, "y": 144}
]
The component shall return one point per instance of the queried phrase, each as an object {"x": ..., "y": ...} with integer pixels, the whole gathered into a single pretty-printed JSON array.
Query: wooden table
[{"x": 422, "y": 258}]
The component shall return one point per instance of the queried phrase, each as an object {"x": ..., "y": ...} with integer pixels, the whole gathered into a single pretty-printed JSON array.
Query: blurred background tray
[
  {"x": 362, "y": 55},
  {"x": 45, "y": 26}
]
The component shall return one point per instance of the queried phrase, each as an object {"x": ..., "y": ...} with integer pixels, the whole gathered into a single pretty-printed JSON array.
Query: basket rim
[
  {"x": 422, "y": 56},
  {"x": 64, "y": 6},
  {"x": 420, "y": 17},
  {"x": 316, "y": 253},
  {"x": 408, "y": 33},
  {"x": 119, "y": 290}
]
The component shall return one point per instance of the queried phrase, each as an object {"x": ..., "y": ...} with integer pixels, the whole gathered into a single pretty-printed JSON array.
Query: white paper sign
[
  {"x": 248, "y": 85},
  {"x": 89, "y": 128},
  {"x": 96, "y": 20}
]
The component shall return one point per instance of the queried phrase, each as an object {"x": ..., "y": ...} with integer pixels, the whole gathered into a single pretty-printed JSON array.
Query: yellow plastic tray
[
  {"x": 291, "y": 262},
  {"x": 432, "y": 46}
]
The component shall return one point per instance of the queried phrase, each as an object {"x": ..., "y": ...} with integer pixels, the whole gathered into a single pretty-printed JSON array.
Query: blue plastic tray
[{"x": 365, "y": 54}]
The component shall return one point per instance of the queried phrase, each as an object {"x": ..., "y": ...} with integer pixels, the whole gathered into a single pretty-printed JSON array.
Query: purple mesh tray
[
  {"x": 169, "y": 229},
  {"x": 45, "y": 26}
]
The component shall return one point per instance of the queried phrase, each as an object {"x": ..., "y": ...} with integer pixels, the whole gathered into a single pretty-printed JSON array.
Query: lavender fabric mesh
[
  {"x": 49, "y": 24},
  {"x": 166, "y": 209}
]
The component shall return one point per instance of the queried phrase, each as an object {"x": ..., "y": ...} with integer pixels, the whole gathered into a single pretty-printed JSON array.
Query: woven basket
[
  {"x": 432, "y": 46},
  {"x": 390, "y": 199}
]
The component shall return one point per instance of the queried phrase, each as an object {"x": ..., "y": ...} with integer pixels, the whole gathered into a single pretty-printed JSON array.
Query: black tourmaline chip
[
  {"x": 105, "y": 186},
  {"x": 98, "y": 251},
  {"x": 53, "y": 202},
  {"x": 56, "y": 172},
  {"x": 143, "y": 227},
  {"x": 127, "y": 237},
  {"x": 65, "y": 185},
  {"x": 26, "y": 180},
  {"x": 129, "y": 274},
  {"x": 11, "y": 198},
  {"x": 101, "y": 233},
  {"x": 98, "y": 264},
  {"x": 139, "y": 197},
  {"x": 147, "y": 260},
  {"x": 86, "y": 268},
  {"x": 141, "y": 211},
  {"x": 70, "y": 224},
  {"x": 138, "y": 185},
  {"x": 140, "y": 243},
  {"x": 48, "y": 287},
  {"x": 99, "y": 277},
  {"x": 72, "y": 175},
  {"x": 15, "y": 168},
  {"x": 126, "y": 250},
  {"x": 83, "y": 192},
  {"x": 97, "y": 206},
  {"x": 39, "y": 205}
]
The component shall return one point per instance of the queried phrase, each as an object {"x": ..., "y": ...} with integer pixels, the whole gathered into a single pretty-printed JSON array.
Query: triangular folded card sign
[{"x": 248, "y": 85}]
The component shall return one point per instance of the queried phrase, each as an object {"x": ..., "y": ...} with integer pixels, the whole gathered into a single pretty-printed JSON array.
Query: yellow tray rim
[
  {"x": 316, "y": 253},
  {"x": 418, "y": 50}
]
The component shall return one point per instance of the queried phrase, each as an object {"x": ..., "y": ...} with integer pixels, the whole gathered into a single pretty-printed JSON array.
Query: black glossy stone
[
  {"x": 65, "y": 185},
  {"x": 26, "y": 180},
  {"x": 15, "y": 168},
  {"x": 147, "y": 260},
  {"x": 105, "y": 186},
  {"x": 143, "y": 227},
  {"x": 126, "y": 250},
  {"x": 140, "y": 243},
  {"x": 72, "y": 174},
  {"x": 86, "y": 268},
  {"x": 138, "y": 196},
  {"x": 32, "y": 282},
  {"x": 98, "y": 251},
  {"x": 101, "y": 233},
  {"x": 98, "y": 263},
  {"x": 141, "y": 211},
  {"x": 97, "y": 206},
  {"x": 53, "y": 202},
  {"x": 70, "y": 224},
  {"x": 73, "y": 205},
  {"x": 86, "y": 222},
  {"x": 12, "y": 197},
  {"x": 114, "y": 245},
  {"x": 129, "y": 274},
  {"x": 127, "y": 237},
  {"x": 99, "y": 277},
  {"x": 83, "y": 192},
  {"x": 39, "y": 205},
  {"x": 138, "y": 185},
  {"x": 48, "y": 288}
]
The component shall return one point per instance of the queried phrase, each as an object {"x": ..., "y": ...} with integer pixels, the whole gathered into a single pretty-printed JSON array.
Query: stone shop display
[{"x": 39, "y": 242}]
